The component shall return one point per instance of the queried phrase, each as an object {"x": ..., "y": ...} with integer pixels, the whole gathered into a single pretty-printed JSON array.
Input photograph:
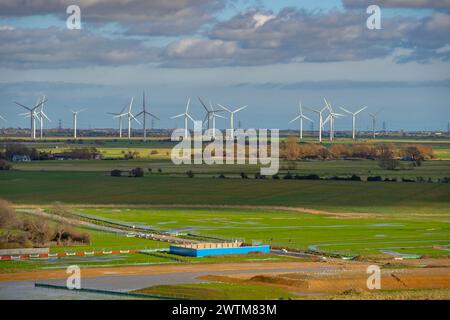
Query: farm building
[{"x": 211, "y": 249}]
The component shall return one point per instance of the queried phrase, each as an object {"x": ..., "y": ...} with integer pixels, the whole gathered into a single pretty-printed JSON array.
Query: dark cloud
[
  {"x": 345, "y": 84},
  {"x": 142, "y": 17},
  {"x": 56, "y": 48},
  {"x": 261, "y": 37},
  {"x": 422, "y": 4},
  {"x": 251, "y": 38}
]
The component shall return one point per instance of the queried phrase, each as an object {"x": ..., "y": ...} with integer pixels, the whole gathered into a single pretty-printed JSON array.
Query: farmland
[{"x": 366, "y": 236}]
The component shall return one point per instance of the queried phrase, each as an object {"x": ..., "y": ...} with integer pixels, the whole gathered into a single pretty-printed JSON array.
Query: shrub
[
  {"x": 355, "y": 178},
  {"x": 7, "y": 214},
  {"x": 288, "y": 176},
  {"x": 4, "y": 165},
  {"x": 374, "y": 179},
  {"x": 222, "y": 176},
  {"x": 243, "y": 175},
  {"x": 308, "y": 177},
  {"x": 276, "y": 177},
  {"x": 190, "y": 174},
  {"x": 137, "y": 172},
  {"x": 116, "y": 173}
]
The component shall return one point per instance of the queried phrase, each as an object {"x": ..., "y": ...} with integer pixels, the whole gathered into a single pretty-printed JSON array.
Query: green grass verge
[{"x": 219, "y": 291}]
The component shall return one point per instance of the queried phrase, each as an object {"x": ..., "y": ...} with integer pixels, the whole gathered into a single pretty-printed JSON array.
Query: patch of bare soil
[{"x": 345, "y": 281}]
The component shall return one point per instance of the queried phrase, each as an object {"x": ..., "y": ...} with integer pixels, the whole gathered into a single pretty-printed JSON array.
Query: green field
[
  {"x": 218, "y": 291},
  {"x": 335, "y": 196},
  {"x": 344, "y": 235}
]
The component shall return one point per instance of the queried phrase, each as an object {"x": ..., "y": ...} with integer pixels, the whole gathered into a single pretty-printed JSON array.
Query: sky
[{"x": 266, "y": 54}]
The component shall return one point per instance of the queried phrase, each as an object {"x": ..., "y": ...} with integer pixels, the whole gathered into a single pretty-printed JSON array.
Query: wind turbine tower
[
  {"x": 374, "y": 121},
  {"x": 32, "y": 115},
  {"x": 211, "y": 115},
  {"x": 232, "y": 113},
  {"x": 131, "y": 117},
  {"x": 144, "y": 114},
  {"x": 331, "y": 117},
  {"x": 301, "y": 116},
  {"x": 321, "y": 124},
  {"x": 75, "y": 115},
  {"x": 186, "y": 116},
  {"x": 354, "y": 114}
]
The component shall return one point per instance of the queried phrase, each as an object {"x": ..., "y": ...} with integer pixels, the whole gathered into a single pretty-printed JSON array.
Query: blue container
[{"x": 192, "y": 252}]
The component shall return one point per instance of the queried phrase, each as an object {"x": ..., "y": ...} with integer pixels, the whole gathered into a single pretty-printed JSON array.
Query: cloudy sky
[{"x": 264, "y": 53}]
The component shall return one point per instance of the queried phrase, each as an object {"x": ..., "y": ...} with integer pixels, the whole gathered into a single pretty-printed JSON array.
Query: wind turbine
[
  {"x": 320, "y": 113},
  {"x": 232, "y": 116},
  {"x": 301, "y": 116},
  {"x": 32, "y": 113},
  {"x": 354, "y": 114},
  {"x": 119, "y": 115},
  {"x": 211, "y": 116},
  {"x": 186, "y": 116},
  {"x": 75, "y": 114},
  {"x": 374, "y": 121},
  {"x": 131, "y": 117},
  {"x": 42, "y": 115},
  {"x": 144, "y": 113},
  {"x": 331, "y": 117}
]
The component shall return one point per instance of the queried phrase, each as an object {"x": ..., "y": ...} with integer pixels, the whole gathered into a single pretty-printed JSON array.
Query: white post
[
  {"x": 301, "y": 128},
  {"x": 232, "y": 125},
  {"x": 320, "y": 127},
  {"x": 42, "y": 126},
  {"x": 354, "y": 127},
  {"x": 129, "y": 127}
]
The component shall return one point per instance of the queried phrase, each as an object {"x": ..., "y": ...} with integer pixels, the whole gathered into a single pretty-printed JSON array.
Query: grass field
[
  {"x": 218, "y": 291},
  {"x": 345, "y": 235},
  {"x": 335, "y": 196}
]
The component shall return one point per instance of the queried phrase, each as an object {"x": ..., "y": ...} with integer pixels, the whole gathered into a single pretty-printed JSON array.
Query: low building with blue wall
[{"x": 214, "y": 249}]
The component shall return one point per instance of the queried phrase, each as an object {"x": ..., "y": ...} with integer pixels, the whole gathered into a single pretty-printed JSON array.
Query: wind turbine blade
[
  {"x": 152, "y": 115},
  {"x": 192, "y": 119},
  {"x": 39, "y": 104},
  {"x": 177, "y": 116},
  {"x": 240, "y": 109},
  {"x": 345, "y": 110},
  {"x": 305, "y": 117},
  {"x": 361, "y": 110},
  {"x": 378, "y": 112},
  {"x": 2, "y": 118},
  {"x": 45, "y": 116},
  {"x": 135, "y": 119},
  {"x": 139, "y": 114},
  {"x": 187, "y": 105},
  {"x": 219, "y": 116},
  {"x": 203, "y": 104},
  {"x": 19, "y": 104},
  {"x": 131, "y": 105},
  {"x": 295, "y": 119},
  {"x": 326, "y": 120},
  {"x": 224, "y": 108},
  {"x": 316, "y": 111},
  {"x": 327, "y": 104}
]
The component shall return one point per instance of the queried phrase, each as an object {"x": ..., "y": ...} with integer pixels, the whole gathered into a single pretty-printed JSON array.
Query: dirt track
[{"x": 162, "y": 269}]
